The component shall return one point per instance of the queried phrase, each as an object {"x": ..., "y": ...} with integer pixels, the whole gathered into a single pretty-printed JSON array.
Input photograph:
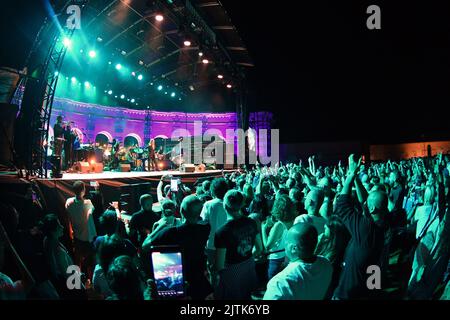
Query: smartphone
[
  {"x": 174, "y": 185},
  {"x": 167, "y": 271}
]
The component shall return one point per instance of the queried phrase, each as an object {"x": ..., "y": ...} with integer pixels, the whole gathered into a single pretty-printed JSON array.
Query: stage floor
[{"x": 134, "y": 174}]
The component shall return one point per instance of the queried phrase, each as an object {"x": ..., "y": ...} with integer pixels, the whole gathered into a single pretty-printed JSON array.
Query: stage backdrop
[{"x": 119, "y": 122}]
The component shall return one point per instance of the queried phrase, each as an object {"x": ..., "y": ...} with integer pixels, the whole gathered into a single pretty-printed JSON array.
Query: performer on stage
[
  {"x": 69, "y": 137},
  {"x": 114, "y": 154},
  {"x": 58, "y": 131},
  {"x": 152, "y": 155}
]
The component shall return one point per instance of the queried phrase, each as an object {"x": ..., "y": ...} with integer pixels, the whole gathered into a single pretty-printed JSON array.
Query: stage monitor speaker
[
  {"x": 187, "y": 167},
  {"x": 97, "y": 168},
  {"x": 82, "y": 167},
  {"x": 125, "y": 167}
]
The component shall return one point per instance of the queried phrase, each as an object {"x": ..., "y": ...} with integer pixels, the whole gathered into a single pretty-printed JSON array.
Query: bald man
[
  {"x": 307, "y": 276},
  {"x": 369, "y": 242},
  {"x": 313, "y": 203}
]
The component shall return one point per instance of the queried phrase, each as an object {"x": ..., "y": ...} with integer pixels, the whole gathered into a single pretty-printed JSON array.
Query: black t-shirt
[
  {"x": 58, "y": 130},
  {"x": 366, "y": 248},
  {"x": 192, "y": 239},
  {"x": 141, "y": 224},
  {"x": 396, "y": 196},
  {"x": 238, "y": 237}
]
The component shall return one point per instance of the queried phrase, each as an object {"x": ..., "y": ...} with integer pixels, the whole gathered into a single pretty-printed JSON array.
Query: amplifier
[
  {"x": 82, "y": 167},
  {"x": 187, "y": 168},
  {"x": 125, "y": 167}
]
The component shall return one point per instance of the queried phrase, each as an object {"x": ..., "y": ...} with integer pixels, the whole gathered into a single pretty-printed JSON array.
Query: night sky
[
  {"x": 328, "y": 77},
  {"x": 322, "y": 72}
]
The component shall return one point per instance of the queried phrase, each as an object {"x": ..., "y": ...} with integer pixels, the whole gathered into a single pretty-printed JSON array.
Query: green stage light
[
  {"x": 118, "y": 66},
  {"x": 110, "y": 92},
  {"x": 92, "y": 54},
  {"x": 160, "y": 87},
  {"x": 165, "y": 92},
  {"x": 87, "y": 84},
  {"x": 122, "y": 96},
  {"x": 132, "y": 100},
  {"x": 73, "y": 79},
  {"x": 67, "y": 42},
  {"x": 140, "y": 77},
  {"x": 56, "y": 73},
  {"x": 172, "y": 94}
]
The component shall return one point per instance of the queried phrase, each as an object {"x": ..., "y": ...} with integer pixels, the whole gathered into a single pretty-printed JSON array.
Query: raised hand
[{"x": 353, "y": 165}]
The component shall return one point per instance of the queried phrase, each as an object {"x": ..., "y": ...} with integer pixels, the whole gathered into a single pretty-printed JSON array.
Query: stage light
[
  {"x": 205, "y": 61},
  {"x": 159, "y": 17},
  {"x": 229, "y": 86},
  {"x": 140, "y": 77},
  {"x": 200, "y": 54},
  {"x": 92, "y": 162},
  {"x": 132, "y": 101},
  {"x": 92, "y": 54},
  {"x": 128, "y": 99},
  {"x": 67, "y": 42},
  {"x": 191, "y": 87},
  {"x": 56, "y": 73},
  {"x": 110, "y": 92},
  {"x": 122, "y": 96},
  {"x": 118, "y": 66},
  {"x": 109, "y": 62},
  {"x": 73, "y": 79},
  {"x": 160, "y": 87},
  {"x": 179, "y": 99},
  {"x": 115, "y": 97},
  {"x": 220, "y": 76},
  {"x": 187, "y": 43},
  {"x": 87, "y": 84},
  {"x": 173, "y": 94},
  {"x": 133, "y": 74},
  {"x": 166, "y": 92},
  {"x": 81, "y": 50},
  {"x": 141, "y": 62}
]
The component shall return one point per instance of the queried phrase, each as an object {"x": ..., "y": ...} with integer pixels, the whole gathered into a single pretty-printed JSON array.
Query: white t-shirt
[
  {"x": 215, "y": 215},
  {"x": 80, "y": 215},
  {"x": 301, "y": 281},
  {"x": 317, "y": 222},
  {"x": 422, "y": 216}
]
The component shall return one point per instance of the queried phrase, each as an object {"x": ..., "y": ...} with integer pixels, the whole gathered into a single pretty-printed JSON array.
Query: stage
[{"x": 135, "y": 174}]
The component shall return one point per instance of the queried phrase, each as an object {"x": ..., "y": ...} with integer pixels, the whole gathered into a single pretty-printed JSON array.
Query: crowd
[{"x": 293, "y": 232}]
